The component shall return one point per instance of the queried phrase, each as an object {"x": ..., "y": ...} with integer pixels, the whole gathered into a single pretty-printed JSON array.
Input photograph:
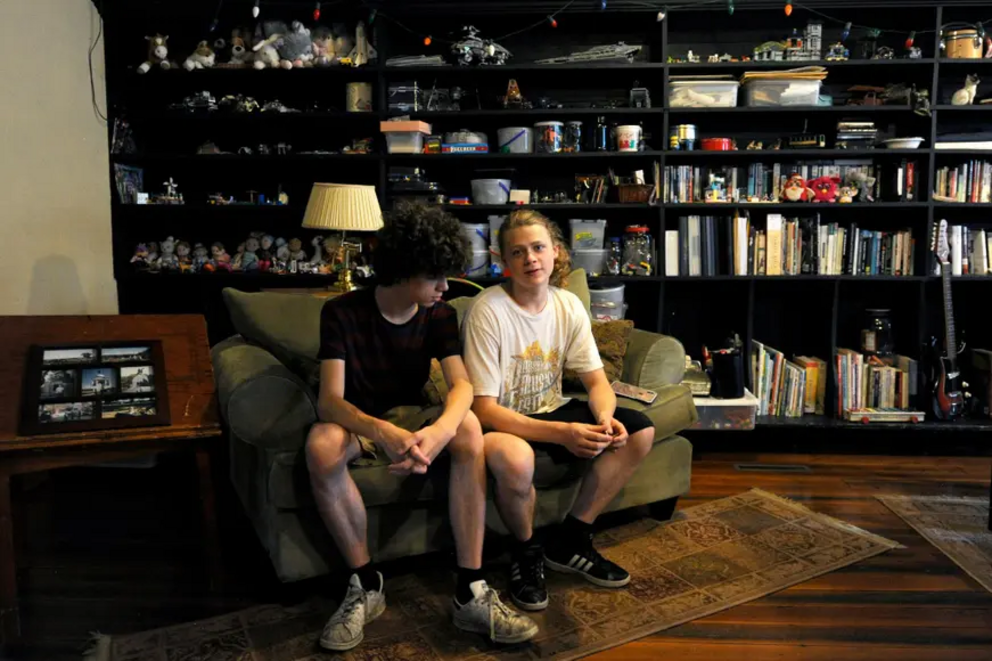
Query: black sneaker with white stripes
[
  {"x": 527, "y": 589},
  {"x": 586, "y": 561}
]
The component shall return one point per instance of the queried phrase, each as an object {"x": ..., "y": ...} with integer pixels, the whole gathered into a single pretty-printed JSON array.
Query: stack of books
[
  {"x": 968, "y": 182},
  {"x": 855, "y": 135},
  {"x": 787, "y": 388},
  {"x": 873, "y": 383}
]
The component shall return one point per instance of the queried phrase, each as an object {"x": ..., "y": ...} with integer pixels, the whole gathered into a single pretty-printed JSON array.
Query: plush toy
[
  {"x": 795, "y": 189},
  {"x": 266, "y": 255},
  {"x": 249, "y": 262},
  {"x": 322, "y": 46},
  {"x": 239, "y": 257},
  {"x": 200, "y": 257},
  {"x": 269, "y": 36},
  {"x": 825, "y": 189},
  {"x": 296, "y": 250},
  {"x": 158, "y": 54},
  {"x": 140, "y": 256},
  {"x": 863, "y": 183},
  {"x": 168, "y": 261},
  {"x": 847, "y": 194},
  {"x": 296, "y": 49},
  {"x": 185, "y": 261},
  {"x": 202, "y": 58}
]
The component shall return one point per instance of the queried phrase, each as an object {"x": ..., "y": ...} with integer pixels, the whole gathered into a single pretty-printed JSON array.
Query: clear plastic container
[
  {"x": 604, "y": 313},
  {"x": 479, "y": 267},
  {"x": 587, "y": 234},
  {"x": 729, "y": 414},
  {"x": 638, "y": 251},
  {"x": 703, "y": 93},
  {"x": 592, "y": 260},
  {"x": 782, "y": 92},
  {"x": 478, "y": 235},
  {"x": 404, "y": 142},
  {"x": 607, "y": 297}
]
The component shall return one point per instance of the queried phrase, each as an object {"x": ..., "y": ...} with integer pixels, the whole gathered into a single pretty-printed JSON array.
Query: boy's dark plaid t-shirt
[{"x": 386, "y": 364}]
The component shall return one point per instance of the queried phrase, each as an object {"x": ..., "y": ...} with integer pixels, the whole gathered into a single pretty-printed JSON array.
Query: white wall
[{"x": 55, "y": 239}]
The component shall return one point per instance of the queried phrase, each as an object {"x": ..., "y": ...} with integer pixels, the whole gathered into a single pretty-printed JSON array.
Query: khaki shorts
[{"x": 410, "y": 418}]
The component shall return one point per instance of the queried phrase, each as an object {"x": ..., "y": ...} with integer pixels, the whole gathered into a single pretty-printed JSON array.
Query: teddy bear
[
  {"x": 168, "y": 261},
  {"x": 158, "y": 54},
  {"x": 201, "y": 58},
  {"x": 269, "y": 37},
  {"x": 825, "y": 188}
]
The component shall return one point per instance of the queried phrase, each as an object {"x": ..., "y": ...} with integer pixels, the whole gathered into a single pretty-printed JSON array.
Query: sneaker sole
[
  {"x": 523, "y": 605},
  {"x": 344, "y": 647},
  {"x": 601, "y": 582},
  {"x": 506, "y": 640}
]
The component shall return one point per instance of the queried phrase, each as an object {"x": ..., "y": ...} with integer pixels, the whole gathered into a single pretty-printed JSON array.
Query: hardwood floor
[{"x": 116, "y": 551}]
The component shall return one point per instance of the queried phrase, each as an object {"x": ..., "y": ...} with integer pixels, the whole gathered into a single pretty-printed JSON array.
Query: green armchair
[{"x": 267, "y": 383}]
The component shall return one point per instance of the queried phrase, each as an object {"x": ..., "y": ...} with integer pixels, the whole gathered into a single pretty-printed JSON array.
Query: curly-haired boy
[{"x": 376, "y": 348}]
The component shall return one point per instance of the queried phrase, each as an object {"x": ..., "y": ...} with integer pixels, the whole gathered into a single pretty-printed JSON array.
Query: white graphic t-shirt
[{"x": 518, "y": 356}]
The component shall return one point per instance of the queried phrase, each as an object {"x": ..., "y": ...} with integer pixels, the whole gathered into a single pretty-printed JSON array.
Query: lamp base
[{"x": 345, "y": 282}]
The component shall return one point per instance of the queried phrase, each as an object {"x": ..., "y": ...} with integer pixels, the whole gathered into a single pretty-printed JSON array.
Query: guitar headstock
[{"x": 939, "y": 243}]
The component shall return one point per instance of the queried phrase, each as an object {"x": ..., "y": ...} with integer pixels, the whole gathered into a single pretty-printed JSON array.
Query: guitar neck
[{"x": 951, "y": 344}]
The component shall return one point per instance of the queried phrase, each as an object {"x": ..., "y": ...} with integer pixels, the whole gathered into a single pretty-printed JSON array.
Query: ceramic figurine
[
  {"x": 250, "y": 260},
  {"x": 795, "y": 189},
  {"x": 239, "y": 257},
  {"x": 966, "y": 95},
  {"x": 200, "y": 257},
  {"x": 169, "y": 261},
  {"x": 185, "y": 261}
]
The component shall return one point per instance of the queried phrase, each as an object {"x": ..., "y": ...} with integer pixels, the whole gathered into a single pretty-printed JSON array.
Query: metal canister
[
  {"x": 548, "y": 137},
  {"x": 601, "y": 138},
  {"x": 686, "y": 136},
  {"x": 573, "y": 136},
  {"x": 358, "y": 97}
]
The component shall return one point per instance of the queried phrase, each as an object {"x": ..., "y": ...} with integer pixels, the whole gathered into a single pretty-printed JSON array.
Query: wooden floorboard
[{"x": 117, "y": 551}]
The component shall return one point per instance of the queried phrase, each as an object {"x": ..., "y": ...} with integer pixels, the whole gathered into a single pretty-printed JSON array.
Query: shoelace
[
  {"x": 352, "y": 601},
  {"x": 496, "y": 607}
]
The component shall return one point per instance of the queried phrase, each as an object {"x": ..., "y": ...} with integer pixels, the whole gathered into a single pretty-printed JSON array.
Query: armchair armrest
[
  {"x": 263, "y": 402},
  {"x": 653, "y": 360}
]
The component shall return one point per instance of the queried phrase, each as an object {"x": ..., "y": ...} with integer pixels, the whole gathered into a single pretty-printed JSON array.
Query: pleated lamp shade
[{"x": 346, "y": 207}]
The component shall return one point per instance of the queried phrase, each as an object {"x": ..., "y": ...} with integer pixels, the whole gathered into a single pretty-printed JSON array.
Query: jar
[
  {"x": 876, "y": 334},
  {"x": 548, "y": 137},
  {"x": 638, "y": 251},
  {"x": 573, "y": 137},
  {"x": 614, "y": 258}
]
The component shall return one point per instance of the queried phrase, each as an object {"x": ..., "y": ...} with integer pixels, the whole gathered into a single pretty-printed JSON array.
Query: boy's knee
[
  {"x": 467, "y": 440},
  {"x": 511, "y": 460},
  {"x": 326, "y": 448},
  {"x": 641, "y": 443}
]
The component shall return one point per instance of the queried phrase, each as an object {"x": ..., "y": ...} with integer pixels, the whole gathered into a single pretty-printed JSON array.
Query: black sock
[
  {"x": 463, "y": 593},
  {"x": 368, "y": 575},
  {"x": 518, "y": 547},
  {"x": 573, "y": 532}
]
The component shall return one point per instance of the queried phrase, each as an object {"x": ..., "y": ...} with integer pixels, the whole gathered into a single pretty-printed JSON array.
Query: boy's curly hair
[{"x": 419, "y": 239}]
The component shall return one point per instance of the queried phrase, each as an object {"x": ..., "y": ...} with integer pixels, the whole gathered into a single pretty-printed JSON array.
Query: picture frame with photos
[{"x": 94, "y": 386}]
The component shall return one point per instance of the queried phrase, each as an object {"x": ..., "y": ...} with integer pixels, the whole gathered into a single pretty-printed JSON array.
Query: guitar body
[{"x": 946, "y": 395}]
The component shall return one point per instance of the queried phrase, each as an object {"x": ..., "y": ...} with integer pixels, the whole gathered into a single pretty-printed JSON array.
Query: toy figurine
[
  {"x": 266, "y": 255},
  {"x": 282, "y": 255},
  {"x": 168, "y": 261},
  {"x": 268, "y": 36},
  {"x": 202, "y": 58},
  {"x": 847, "y": 194},
  {"x": 200, "y": 257},
  {"x": 966, "y": 95},
  {"x": 296, "y": 250},
  {"x": 237, "y": 263},
  {"x": 862, "y": 183},
  {"x": 825, "y": 189},
  {"x": 837, "y": 52},
  {"x": 158, "y": 54},
  {"x": 182, "y": 254},
  {"x": 250, "y": 260},
  {"x": 140, "y": 256},
  {"x": 318, "y": 256},
  {"x": 219, "y": 259},
  {"x": 795, "y": 189},
  {"x": 513, "y": 97}
]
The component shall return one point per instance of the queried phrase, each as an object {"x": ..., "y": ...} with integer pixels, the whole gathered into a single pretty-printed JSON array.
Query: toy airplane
[{"x": 363, "y": 51}]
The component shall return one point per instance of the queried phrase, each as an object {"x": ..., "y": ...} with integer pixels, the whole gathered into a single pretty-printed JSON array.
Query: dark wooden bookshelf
[{"x": 802, "y": 314}]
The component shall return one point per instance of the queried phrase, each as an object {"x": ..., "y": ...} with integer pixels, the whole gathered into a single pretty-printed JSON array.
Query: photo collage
[{"x": 97, "y": 383}]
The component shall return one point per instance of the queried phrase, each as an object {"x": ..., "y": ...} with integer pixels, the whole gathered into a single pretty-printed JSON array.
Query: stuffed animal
[
  {"x": 825, "y": 189},
  {"x": 153, "y": 259},
  {"x": 847, "y": 194},
  {"x": 202, "y": 58},
  {"x": 241, "y": 53},
  {"x": 239, "y": 257},
  {"x": 269, "y": 37},
  {"x": 863, "y": 183},
  {"x": 966, "y": 95},
  {"x": 296, "y": 49},
  {"x": 322, "y": 46},
  {"x": 185, "y": 261},
  {"x": 168, "y": 261},
  {"x": 140, "y": 256},
  {"x": 795, "y": 189},
  {"x": 158, "y": 54},
  {"x": 296, "y": 250},
  {"x": 266, "y": 255},
  {"x": 249, "y": 262},
  {"x": 200, "y": 257}
]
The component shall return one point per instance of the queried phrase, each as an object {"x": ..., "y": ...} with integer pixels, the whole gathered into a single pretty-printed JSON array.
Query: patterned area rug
[
  {"x": 709, "y": 558},
  {"x": 957, "y": 526}
]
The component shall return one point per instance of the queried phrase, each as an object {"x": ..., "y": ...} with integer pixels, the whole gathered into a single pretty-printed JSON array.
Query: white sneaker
[
  {"x": 486, "y": 614},
  {"x": 346, "y": 628}
]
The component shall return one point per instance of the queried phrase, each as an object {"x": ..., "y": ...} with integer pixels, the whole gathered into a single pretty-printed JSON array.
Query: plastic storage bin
[
  {"x": 592, "y": 260},
  {"x": 729, "y": 414},
  {"x": 478, "y": 235},
  {"x": 610, "y": 297},
  {"x": 782, "y": 92},
  {"x": 604, "y": 313},
  {"x": 490, "y": 191},
  {"x": 587, "y": 234},
  {"x": 405, "y": 137},
  {"x": 703, "y": 93},
  {"x": 479, "y": 267}
]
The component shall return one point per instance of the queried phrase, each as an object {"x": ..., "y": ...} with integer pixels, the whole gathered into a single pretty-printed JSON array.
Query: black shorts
[{"x": 578, "y": 411}]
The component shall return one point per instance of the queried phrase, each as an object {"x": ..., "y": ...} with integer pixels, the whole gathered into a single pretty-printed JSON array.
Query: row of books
[
  {"x": 788, "y": 388},
  {"x": 896, "y": 182},
  {"x": 710, "y": 245},
  {"x": 968, "y": 182},
  {"x": 869, "y": 382},
  {"x": 970, "y": 248}
]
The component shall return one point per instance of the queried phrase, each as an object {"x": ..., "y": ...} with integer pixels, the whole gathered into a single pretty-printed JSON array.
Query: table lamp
[{"x": 344, "y": 207}]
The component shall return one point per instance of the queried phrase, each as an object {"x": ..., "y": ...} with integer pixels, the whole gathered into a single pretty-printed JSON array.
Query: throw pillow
[{"x": 611, "y": 340}]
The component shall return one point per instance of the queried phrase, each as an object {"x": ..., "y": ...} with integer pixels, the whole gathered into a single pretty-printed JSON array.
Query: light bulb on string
[
  {"x": 910, "y": 39},
  {"x": 316, "y": 12},
  {"x": 213, "y": 25},
  {"x": 846, "y": 32},
  {"x": 730, "y": 7},
  {"x": 372, "y": 15},
  {"x": 427, "y": 40},
  {"x": 788, "y": 9},
  {"x": 602, "y": 5},
  {"x": 662, "y": 14},
  {"x": 255, "y": 10},
  {"x": 552, "y": 22}
]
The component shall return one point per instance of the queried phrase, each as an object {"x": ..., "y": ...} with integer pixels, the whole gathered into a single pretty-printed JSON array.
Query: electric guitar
[{"x": 947, "y": 397}]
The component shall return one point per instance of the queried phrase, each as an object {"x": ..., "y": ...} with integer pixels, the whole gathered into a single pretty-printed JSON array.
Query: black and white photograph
[
  {"x": 99, "y": 381},
  {"x": 126, "y": 355},
  {"x": 84, "y": 356},
  {"x": 59, "y": 384},
  {"x": 128, "y": 408},
  {"x": 137, "y": 379},
  {"x": 69, "y": 412}
]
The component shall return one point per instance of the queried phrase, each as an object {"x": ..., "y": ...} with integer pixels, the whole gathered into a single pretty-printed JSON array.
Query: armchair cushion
[{"x": 611, "y": 340}]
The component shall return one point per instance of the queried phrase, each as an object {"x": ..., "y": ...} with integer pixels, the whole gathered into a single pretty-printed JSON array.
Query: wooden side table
[{"x": 193, "y": 406}]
